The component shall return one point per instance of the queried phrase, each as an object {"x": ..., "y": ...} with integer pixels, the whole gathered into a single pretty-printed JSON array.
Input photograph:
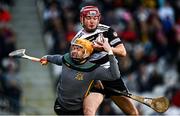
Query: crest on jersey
[
  {"x": 79, "y": 76},
  {"x": 115, "y": 34}
]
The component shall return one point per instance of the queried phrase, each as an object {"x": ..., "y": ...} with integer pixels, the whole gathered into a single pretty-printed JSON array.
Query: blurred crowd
[
  {"x": 150, "y": 31},
  {"x": 10, "y": 90}
]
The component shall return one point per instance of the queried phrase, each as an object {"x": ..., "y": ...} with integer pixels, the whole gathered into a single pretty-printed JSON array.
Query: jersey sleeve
[
  {"x": 110, "y": 73},
  {"x": 112, "y": 36},
  {"x": 55, "y": 59}
]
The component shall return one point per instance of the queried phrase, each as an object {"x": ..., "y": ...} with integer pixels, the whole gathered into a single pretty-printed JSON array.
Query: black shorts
[
  {"x": 117, "y": 84},
  {"x": 59, "y": 110}
]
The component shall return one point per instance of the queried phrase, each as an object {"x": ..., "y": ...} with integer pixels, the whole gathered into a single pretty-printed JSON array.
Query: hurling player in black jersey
[{"x": 93, "y": 31}]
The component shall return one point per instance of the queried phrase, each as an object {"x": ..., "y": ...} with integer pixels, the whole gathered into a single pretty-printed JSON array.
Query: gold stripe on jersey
[{"x": 87, "y": 92}]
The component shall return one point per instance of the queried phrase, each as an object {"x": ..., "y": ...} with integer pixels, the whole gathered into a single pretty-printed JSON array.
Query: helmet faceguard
[{"x": 86, "y": 45}]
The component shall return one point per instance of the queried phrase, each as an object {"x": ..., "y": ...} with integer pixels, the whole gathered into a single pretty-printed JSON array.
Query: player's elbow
[
  {"x": 117, "y": 75},
  {"x": 120, "y": 50},
  {"x": 123, "y": 53}
]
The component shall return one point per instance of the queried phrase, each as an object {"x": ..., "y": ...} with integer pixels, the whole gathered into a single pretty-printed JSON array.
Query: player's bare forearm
[{"x": 119, "y": 50}]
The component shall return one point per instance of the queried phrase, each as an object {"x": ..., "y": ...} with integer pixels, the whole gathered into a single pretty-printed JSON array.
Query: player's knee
[
  {"x": 125, "y": 105},
  {"x": 134, "y": 112},
  {"x": 89, "y": 111}
]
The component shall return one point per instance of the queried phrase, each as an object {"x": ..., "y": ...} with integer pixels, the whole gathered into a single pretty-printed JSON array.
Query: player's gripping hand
[
  {"x": 98, "y": 43},
  {"x": 43, "y": 60}
]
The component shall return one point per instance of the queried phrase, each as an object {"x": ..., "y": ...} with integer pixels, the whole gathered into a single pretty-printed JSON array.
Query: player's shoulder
[{"x": 103, "y": 27}]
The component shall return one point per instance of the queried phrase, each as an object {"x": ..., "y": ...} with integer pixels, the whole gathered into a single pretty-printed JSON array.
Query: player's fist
[
  {"x": 98, "y": 44},
  {"x": 43, "y": 60}
]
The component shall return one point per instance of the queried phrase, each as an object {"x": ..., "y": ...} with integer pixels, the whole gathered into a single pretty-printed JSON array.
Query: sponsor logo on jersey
[
  {"x": 115, "y": 41},
  {"x": 79, "y": 76}
]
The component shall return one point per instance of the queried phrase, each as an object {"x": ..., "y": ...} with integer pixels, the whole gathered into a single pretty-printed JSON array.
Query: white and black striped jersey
[{"x": 107, "y": 32}]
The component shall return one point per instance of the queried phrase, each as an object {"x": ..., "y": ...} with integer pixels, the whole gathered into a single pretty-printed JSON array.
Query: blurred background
[{"x": 149, "y": 29}]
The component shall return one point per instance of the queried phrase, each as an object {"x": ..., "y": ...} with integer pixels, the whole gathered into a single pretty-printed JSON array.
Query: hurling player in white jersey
[{"x": 93, "y": 31}]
